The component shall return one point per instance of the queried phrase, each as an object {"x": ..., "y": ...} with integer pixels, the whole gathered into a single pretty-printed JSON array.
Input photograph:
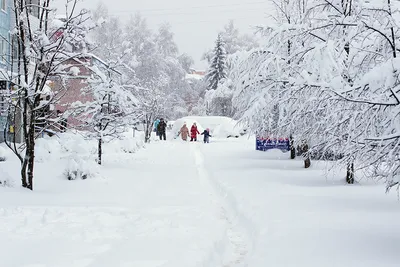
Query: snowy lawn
[
  {"x": 177, "y": 204},
  {"x": 149, "y": 211},
  {"x": 297, "y": 217}
]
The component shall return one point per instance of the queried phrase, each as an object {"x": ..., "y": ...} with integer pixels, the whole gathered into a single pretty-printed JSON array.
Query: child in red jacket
[{"x": 194, "y": 132}]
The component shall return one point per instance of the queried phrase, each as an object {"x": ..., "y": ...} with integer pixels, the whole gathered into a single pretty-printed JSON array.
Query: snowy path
[{"x": 237, "y": 246}]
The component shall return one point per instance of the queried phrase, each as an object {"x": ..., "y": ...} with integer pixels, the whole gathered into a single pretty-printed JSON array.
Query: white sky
[{"x": 195, "y": 23}]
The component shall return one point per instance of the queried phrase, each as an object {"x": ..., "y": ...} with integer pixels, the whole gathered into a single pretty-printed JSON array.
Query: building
[
  {"x": 5, "y": 26},
  {"x": 69, "y": 86},
  {"x": 195, "y": 75},
  {"x": 9, "y": 58},
  {"x": 197, "y": 72}
]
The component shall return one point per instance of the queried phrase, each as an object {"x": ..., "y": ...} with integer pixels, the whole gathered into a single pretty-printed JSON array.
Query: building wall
[
  {"x": 5, "y": 23},
  {"x": 70, "y": 89}
]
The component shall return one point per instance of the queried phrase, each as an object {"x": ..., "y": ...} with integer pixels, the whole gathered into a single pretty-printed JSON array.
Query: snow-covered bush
[
  {"x": 131, "y": 145},
  {"x": 78, "y": 168},
  {"x": 2, "y": 154},
  {"x": 126, "y": 145},
  {"x": 5, "y": 179}
]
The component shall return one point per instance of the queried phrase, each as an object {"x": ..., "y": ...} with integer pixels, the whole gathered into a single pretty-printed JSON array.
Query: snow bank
[
  {"x": 55, "y": 148},
  {"x": 79, "y": 168},
  {"x": 76, "y": 155},
  {"x": 2, "y": 154},
  {"x": 5, "y": 178},
  {"x": 220, "y": 127},
  {"x": 52, "y": 148}
]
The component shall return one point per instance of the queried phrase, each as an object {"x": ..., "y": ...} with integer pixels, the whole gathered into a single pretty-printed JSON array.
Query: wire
[
  {"x": 205, "y": 21},
  {"x": 193, "y": 7},
  {"x": 194, "y": 13}
]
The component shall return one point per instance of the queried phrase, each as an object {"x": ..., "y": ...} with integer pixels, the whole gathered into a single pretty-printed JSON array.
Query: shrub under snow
[
  {"x": 5, "y": 179},
  {"x": 78, "y": 168},
  {"x": 2, "y": 154}
]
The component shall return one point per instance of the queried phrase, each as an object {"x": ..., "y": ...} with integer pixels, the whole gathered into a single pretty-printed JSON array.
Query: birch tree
[{"x": 41, "y": 44}]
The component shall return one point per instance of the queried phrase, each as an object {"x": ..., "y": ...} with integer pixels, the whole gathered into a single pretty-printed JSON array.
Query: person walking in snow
[
  {"x": 207, "y": 135},
  {"x": 161, "y": 129},
  {"x": 184, "y": 132},
  {"x": 194, "y": 132},
  {"x": 157, "y": 121}
]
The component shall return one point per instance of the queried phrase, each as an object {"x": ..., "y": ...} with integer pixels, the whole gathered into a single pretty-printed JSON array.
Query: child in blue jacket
[{"x": 207, "y": 135}]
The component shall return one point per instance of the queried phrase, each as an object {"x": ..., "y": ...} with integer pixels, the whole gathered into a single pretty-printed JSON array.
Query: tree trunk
[
  {"x": 306, "y": 156},
  {"x": 23, "y": 173},
  {"x": 147, "y": 131},
  {"x": 350, "y": 173},
  {"x": 146, "y": 134},
  {"x": 25, "y": 130},
  {"x": 292, "y": 148},
  {"x": 99, "y": 150},
  {"x": 30, "y": 151}
]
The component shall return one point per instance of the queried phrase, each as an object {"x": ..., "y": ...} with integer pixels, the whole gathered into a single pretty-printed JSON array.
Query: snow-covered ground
[{"x": 180, "y": 204}]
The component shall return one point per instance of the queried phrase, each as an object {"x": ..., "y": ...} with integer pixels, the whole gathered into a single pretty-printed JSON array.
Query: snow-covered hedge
[
  {"x": 5, "y": 179},
  {"x": 2, "y": 154},
  {"x": 78, "y": 168},
  {"x": 80, "y": 153}
]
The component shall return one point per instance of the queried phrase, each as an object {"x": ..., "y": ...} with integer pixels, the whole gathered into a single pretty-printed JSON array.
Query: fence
[{"x": 267, "y": 143}]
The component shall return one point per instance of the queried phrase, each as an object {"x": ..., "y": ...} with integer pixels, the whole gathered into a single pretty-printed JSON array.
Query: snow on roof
[
  {"x": 58, "y": 23},
  {"x": 103, "y": 63},
  {"x": 3, "y": 75},
  {"x": 60, "y": 16},
  {"x": 35, "y": 22},
  {"x": 194, "y": 77}
]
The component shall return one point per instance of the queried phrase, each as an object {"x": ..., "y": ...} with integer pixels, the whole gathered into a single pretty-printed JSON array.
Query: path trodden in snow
[
  {"x": 156, "y": 211},
  {"x": 236, "y": 246}
]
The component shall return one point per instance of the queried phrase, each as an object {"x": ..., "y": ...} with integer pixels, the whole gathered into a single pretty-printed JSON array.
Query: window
[
  {"x": 34, "y": 8},
  {"x": 3, "y": 50},
  {"x": 2, "y": 54},
  {"x": 3, "y": 5},
  {"x": 3, "y": 99},
  {"x": 14, "y": 48}
]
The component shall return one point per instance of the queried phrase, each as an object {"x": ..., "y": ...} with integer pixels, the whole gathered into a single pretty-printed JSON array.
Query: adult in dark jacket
[{"x": 161, "y": 129}]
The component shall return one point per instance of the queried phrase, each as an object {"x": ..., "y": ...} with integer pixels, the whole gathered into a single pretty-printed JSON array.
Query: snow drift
[{"x": 220, "y": 127}]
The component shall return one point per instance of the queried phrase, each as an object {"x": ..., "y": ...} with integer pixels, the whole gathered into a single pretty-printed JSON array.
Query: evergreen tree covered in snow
[
  {"x": 234, "y": 41},
  {"x": 217, "y": 69},
  {"x": 220, "y": 102}
]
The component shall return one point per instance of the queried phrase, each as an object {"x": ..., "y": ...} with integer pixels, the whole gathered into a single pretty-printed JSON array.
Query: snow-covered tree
[
  {"x": 220, "y": 102},
  {"x": 112, "y": 109},
  {"x": 186, "y": 62},
  {"x": 217, "y": 69},
  {"x": 108, "y": 36},
  {"x": 327, "y": 74},
  {"x": 41, "y": 44},
  {"x": 234, "y": 41},
  {"x": 149, "y": 62}
]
